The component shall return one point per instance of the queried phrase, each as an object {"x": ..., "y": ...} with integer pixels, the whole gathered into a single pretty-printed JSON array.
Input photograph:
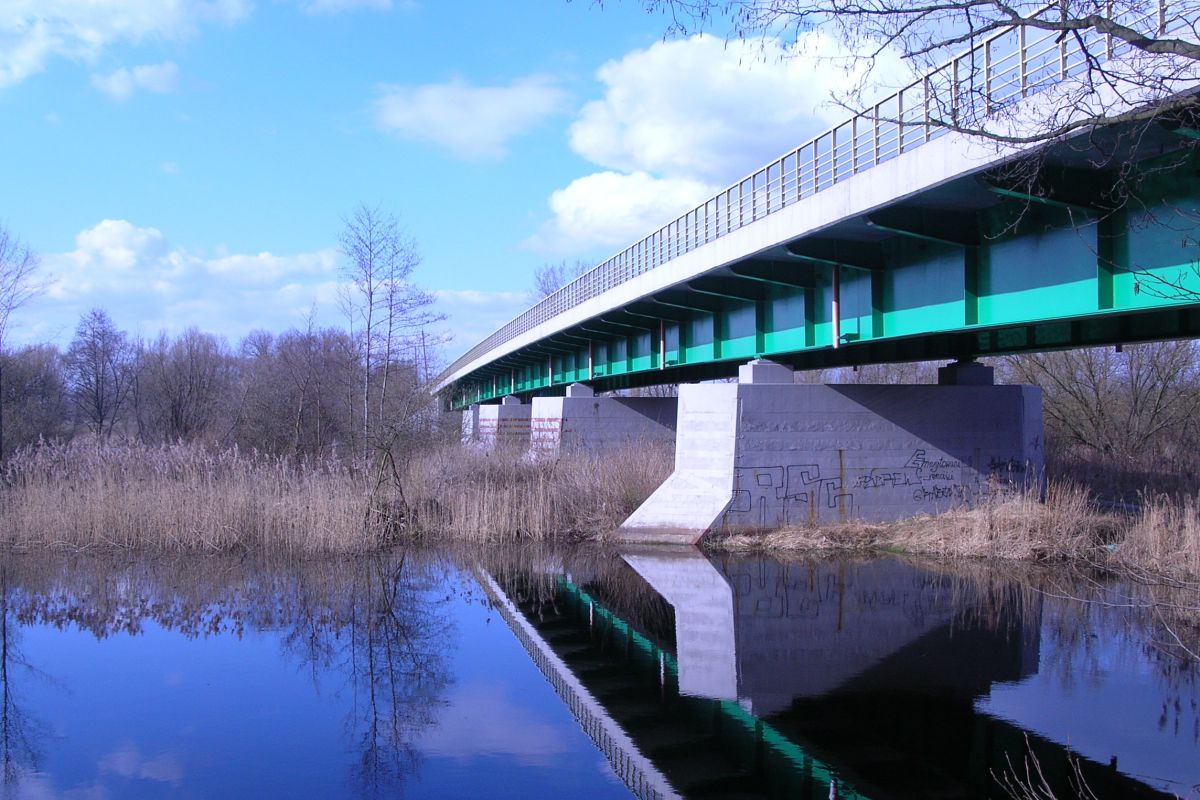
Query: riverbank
[
  {"x": 1161, "y": 536},
  {"x": 186, "y": 498}
]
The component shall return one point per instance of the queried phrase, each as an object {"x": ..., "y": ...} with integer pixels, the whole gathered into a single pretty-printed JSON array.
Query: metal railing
[{"x": 969, "y": 88}]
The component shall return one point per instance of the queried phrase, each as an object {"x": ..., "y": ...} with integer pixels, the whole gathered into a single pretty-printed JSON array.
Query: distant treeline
[{"x": 301, "y": 392}]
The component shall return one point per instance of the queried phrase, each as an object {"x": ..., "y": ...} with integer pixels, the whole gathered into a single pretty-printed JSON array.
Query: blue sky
[{"x": 189, "y": 162}]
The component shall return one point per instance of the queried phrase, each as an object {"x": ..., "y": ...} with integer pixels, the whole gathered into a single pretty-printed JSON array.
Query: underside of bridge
[{"x": 1089, "y": 242}]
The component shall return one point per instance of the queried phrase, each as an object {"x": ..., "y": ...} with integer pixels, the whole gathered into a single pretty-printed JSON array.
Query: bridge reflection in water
[{"x": 737, "y": 678}]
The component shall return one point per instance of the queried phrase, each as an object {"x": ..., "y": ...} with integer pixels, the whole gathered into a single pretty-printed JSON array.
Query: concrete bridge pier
[
  {"x": 766, "y": 452},
  {"x": 499, "y": 426},
  {"x": 582, "y": 421}
]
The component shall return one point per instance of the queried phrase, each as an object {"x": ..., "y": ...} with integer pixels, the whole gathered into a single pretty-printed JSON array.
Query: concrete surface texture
[
  {"x": 504, "y": 425},
  {"x": 762, "y": 455},
  {"x": 581, "y": 421}
]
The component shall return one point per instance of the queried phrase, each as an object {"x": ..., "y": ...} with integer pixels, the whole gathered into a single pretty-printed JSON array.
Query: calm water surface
[{"x": 583, "y": 674}]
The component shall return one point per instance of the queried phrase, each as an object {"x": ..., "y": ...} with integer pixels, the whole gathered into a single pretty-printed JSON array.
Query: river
[{"x": 589, "y": 674}]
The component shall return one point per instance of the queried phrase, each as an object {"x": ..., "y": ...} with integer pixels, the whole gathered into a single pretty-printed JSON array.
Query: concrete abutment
[{"x": 765, "y": 452}]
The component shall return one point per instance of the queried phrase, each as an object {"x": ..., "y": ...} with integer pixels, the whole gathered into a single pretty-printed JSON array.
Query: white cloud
[
  {"x": 127, "y": 762},
  {"x": 122, "y": 83},
  {"x": 681, "y": 119},
  {"x": 147, "y": 284},
  {"x": 706, "y": 109},
  {"x": 611, "y": 209},
  {"x": 32, "y": 32},
  {"x": 169, "y": 167},
  {"x": 480, "y": 719},
  {"x": 469, "y": 121}
]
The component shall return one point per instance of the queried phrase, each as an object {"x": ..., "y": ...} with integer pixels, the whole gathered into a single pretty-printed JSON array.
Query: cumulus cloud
[
  {"x": 122, "y": 83},
  {"x": 32, "y": 32},
  {"x": 148, "y": 284},
  {"x": 611, "y": 209},
  {"x": 470, "y": 121},
  {"x": 681, "y": 119},
  {"x": 712, "y": 110}
]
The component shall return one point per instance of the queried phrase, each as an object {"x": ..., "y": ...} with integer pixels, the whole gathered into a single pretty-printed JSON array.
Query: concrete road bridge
[{"x": 889, "y": 238}]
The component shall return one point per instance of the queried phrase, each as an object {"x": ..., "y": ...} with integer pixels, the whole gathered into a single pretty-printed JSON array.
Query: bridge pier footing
[
  {"x": 765, "y": 453},
  {"x": 582, "y": 421}
]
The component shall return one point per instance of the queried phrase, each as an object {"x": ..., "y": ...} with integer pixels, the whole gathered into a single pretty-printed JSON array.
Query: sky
[{"x": 189, "y": 163}]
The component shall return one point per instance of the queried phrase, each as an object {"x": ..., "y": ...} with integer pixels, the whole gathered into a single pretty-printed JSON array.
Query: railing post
[
  {"x": 987, "y": 76},
  {"x": 833, "y": 154},
  {"x": 1108, "y": 39},
  {"x": 899, "y": 122},
  {"x": 854, "y": 146},
  {"x": 925, "y": 102},
  {"x": 875, "y": 136},
  {"x": 1023, "y": 60}
]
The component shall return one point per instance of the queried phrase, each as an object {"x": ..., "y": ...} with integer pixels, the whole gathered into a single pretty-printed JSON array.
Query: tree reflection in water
[
  {"x": 17, "y": 751},
  {"x": 374, "y": 630}
]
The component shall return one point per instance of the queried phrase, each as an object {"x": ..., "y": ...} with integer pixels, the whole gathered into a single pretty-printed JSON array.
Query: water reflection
[
  {"x": 845, "y": 678},
  {"x": 369, "y": 631},
  {"x": 692, "y": 676}
]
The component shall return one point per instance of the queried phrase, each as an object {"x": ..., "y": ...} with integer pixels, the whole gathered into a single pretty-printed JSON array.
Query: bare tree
[
  {"x": 1119, "y": 403},
  {"x": 100, "y": 371},
  {"x": 18, "y": 264},
  {"x": 185, "y": 383},
  {"x": 381, "y": 302},
  {"x": 34, "y": 399},
  {"x": 550, "y": 277}
]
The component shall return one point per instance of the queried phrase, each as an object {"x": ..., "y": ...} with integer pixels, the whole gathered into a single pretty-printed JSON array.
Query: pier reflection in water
[
  {"x": 662, "y": 673},
  {"x": 857, "y": 679}
]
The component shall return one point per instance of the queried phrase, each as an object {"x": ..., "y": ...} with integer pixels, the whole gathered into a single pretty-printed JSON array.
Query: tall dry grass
[
  {"x": 173, "y": 497},
  {"x": 503, "y": 496},
  {"x": 1164, "y": 538},
  {"x": 1066, "y": 526},
  {"x": 184, "y": 497}
]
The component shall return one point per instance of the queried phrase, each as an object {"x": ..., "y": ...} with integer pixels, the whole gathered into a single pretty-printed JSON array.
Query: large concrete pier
[{"x": 766, "y": 452}]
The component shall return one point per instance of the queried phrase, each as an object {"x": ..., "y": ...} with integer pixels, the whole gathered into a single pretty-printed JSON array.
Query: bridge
[{"x": 891, "y": 237}]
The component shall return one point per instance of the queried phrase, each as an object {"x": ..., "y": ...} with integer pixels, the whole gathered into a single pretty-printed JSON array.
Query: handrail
[{"x": 891, "y": 127}]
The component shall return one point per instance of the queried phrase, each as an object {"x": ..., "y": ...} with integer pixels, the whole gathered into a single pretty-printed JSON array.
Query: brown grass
[
  {"x": 1065, "y": 527},
  {"x": 183, "y": 497},
  {"x": 502, "y": 496},
  {"x": 176, "y": 497},
  {"x": 1164, "y": 538}
]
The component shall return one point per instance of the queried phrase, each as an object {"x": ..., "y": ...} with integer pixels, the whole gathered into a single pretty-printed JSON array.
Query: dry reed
[
  {"x": 183, "y": 497},
  {"x": 174, "y": 497},
  {"x": 503, "y": 496},
  {"x": 1018, "y": 526}
]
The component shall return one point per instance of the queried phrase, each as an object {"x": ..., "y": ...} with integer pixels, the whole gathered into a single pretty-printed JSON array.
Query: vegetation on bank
[{"x": 185, "y": 497}]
